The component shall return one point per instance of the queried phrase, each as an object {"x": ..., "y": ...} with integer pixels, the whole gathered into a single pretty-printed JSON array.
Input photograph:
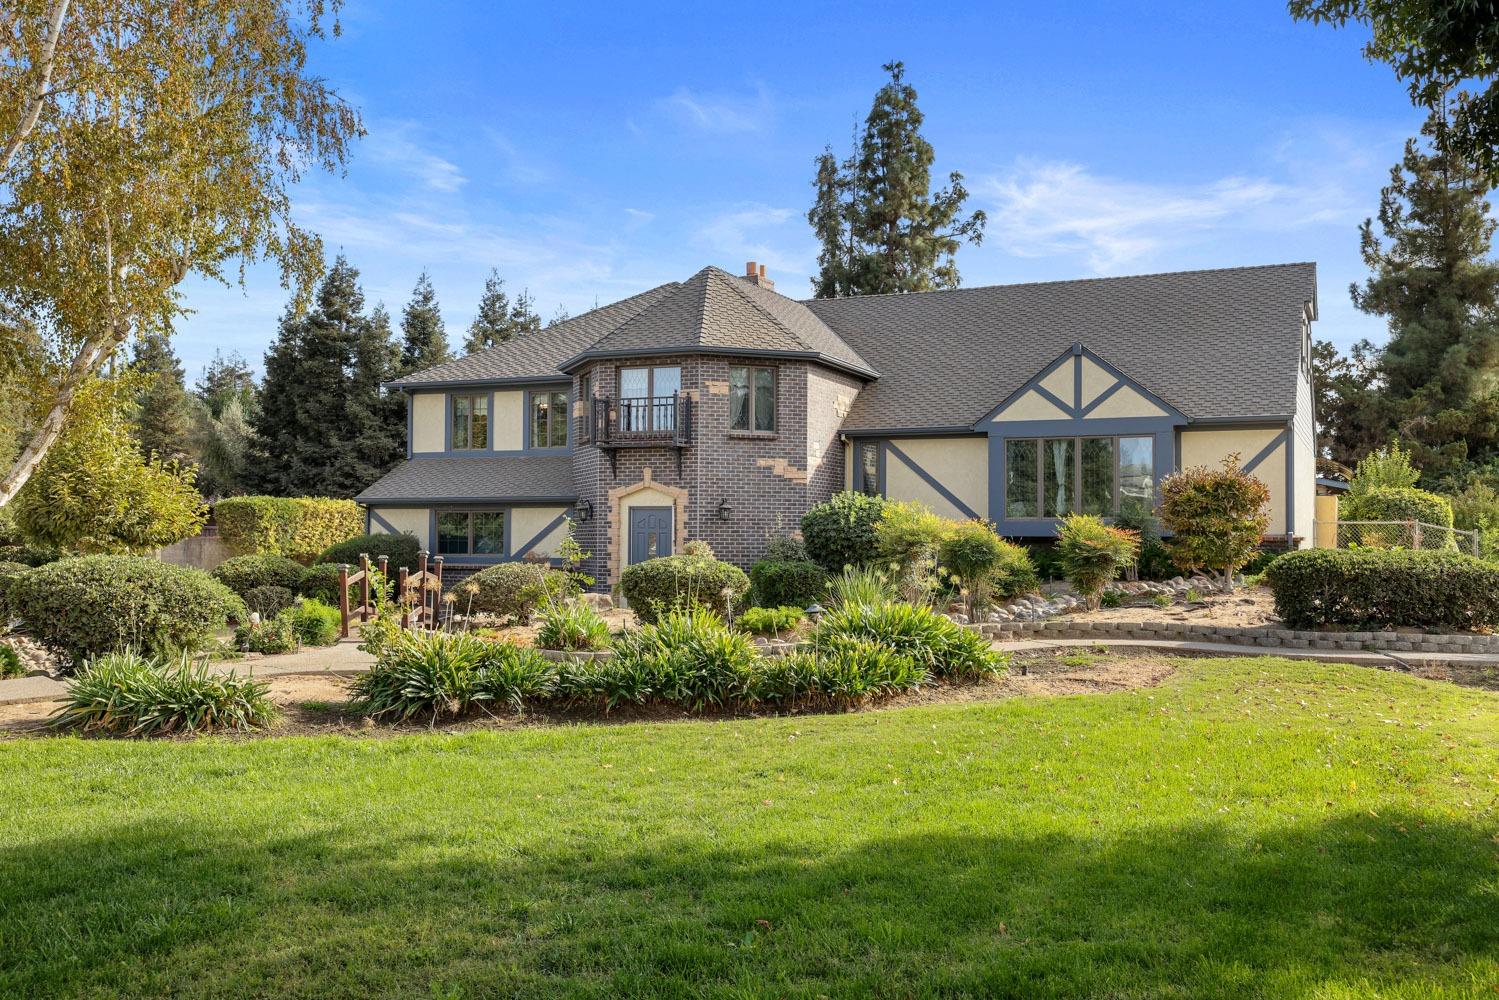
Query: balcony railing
[{"x": 642, "y": 422}]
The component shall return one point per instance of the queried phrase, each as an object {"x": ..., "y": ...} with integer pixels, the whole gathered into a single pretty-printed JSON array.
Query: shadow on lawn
[{"x": 1361, "y": 902}]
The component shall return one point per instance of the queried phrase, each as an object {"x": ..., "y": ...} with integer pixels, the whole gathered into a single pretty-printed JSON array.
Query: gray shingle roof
[
  {"x": 497, "y": 478},
  {"x": 1222, "y": 343},
  {"x": 537, "y": 355},
  {"x": 714, "y": 311}
]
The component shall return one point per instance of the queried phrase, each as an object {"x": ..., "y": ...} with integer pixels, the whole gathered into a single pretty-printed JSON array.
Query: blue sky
[{"x": 592, "y": 151}]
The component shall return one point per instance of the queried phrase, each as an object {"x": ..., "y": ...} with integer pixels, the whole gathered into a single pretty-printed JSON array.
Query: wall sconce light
[
  {"x": 584, "y": 507},
  {"x": 724, "y": 510}
]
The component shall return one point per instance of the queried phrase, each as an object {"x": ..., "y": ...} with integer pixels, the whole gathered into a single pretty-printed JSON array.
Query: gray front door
[{"x": 650, "y": 533}]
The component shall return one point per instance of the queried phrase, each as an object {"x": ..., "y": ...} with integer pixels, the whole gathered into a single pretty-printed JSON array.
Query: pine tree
[
  {"x": 225, "y": 378},
  {"x": 162, "y": 418},
  {"x": 321, "y": 397},
  {"x": 560, "y": 316},
  {"x": 1438, "y": 288},
  {"x": 424, "y": 341},
  {"x": 881, "y": 227},
  {"x": 500, "y": 320}
]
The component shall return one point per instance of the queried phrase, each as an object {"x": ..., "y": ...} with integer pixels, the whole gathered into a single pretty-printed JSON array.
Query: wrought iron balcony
[{"x": 645, "y": 422}]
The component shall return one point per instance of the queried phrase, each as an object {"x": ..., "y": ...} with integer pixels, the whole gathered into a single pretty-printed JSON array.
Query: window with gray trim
[
  {"x": 752, "y": 398},
  {"x": 549, "y": 420},
  {"x": 1054, "y": 477},
  {"x": 471, "y": 532},
  {"x": 470, "y": 418},
  {"x": 867, "y": 474}
]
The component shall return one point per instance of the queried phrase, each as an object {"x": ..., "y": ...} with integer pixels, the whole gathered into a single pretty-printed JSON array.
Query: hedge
[
  {"x": 98, "y": 604},
  {"x": 781, "y": 582},
  {"x": 1399, "y": 503},
  {"x": 243, "y": 574},
  {"x": 1384, "y": 588},
  {"x": 299, "y": 528},
  {"x": 401, "y": 549},
  {"x": 840, "y": 532},
  {"x": 657, "y": 586}
]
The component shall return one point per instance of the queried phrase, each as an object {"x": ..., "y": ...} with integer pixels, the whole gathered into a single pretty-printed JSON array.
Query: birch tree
[{"x": 143, "y": 141}]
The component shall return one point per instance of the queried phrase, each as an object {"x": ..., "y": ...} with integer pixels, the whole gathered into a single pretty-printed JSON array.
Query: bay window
[{"x": 1054, "y": 477}]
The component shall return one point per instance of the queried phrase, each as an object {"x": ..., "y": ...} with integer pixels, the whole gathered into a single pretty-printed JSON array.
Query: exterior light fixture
[
  {"x": 724, "y": 510},
  {"x": 584, "y": 507},
  {"x": 814, "y": 612}
]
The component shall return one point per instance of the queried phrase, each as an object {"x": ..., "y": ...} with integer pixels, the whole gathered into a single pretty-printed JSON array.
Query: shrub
[
  {"x": 1092, "y": 553},
  {"x": 27, "y": 556},
  {"x": 1474, "y": 508},
  {"x": 130, "y": 694},
  {"x": 657, "y": 586},
  {"x": 432, "y": 672},
  {"x": 315, "y": 623},
  {"x": 784, "y": 548},
  {"x": 572, "y": 625},
  {"x": 775, "y": 582},
  {"x": 98, "y": 604},
  {"x": 271, "y": 636},
  {"x": 1384, "y": 588},
  {"x": 268, "y": 601},
  {"x": 514, "y": 590},
  {"x": 840, "y": 532},
  {"x": 860, "y": 586},
  {"x": 1402, "y": 503},
  {"x": 243, "y": 574},
  {"x": 1262, "y": 560},
  {"x": 843, "y": 674},
  {"x": 769, "y": 621},
  {"x": 320, "y": 581},
  {"x": 1386, "y": 467},
  {"x": 1155, "y": 562},
  {"x": 698, "y": 547},
  {"x": 936, "y": 643},
  {"x": 1218, "y": 516},
  {"x": 399, "y": 549},
  {"x": 10, "y": 662},
  {"x": 985, "y": 564},
  {"x": 1045, "y": 558},
  {"x": 687, "y": 657},
  {"x": 297, "y": 527}
]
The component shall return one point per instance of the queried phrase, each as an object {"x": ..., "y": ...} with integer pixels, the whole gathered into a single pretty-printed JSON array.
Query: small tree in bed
[{"x": 1218, "y": 517}]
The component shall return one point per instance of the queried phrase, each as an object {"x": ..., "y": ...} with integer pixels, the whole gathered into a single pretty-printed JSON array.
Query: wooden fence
[{"x": 418, "y": 595}]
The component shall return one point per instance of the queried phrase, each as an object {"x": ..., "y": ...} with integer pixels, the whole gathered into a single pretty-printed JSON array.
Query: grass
[{"x": 1252, "y": 828}]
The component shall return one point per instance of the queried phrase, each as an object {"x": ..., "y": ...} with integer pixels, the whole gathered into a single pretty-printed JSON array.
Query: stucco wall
[
  {"x": 1211, "y": 447},
  {"x": 526, "y": 522},
  {"x": 407, "y": 520},
  {"x": 509, "y": 421},
  {"x": 428, "y": 417},
  {"x": 960, "y": 465},
  {"x": 1304, "y": 461}
]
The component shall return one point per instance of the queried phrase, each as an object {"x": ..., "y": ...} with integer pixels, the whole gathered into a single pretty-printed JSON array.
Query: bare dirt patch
[{"x": 1247, "y": 607}]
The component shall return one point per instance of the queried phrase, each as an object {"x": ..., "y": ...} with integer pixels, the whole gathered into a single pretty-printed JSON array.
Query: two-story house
[{"x": 718, "y": 409}]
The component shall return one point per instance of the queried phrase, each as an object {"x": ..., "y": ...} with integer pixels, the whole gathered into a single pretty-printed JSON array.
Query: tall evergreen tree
[
  {"x": 321, "y": 384},
  {"x": 1436, "y": 285},
  {"x": 228, "y": 377},
  {"x": 375, "y": 420},
  {"x": 500, "y": 320},
  {"x": 881, "y": 227},
  {"x": 162, "y": 417},
  {"x": 424, "y": 340}
]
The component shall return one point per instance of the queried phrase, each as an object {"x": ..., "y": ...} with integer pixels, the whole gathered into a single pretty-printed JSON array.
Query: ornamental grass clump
[
  {"x": 132, "y": 694},
  {"x": 1093, "y": 554},
  {"x": 687, "y": 657},
  {"x": 860, "y": 585},
  {"x": 936, "y": 643},
  {"x": 442, "y": 674},
  {"x": 572, "y": 626},
  {"x": 842, "y": 674}
]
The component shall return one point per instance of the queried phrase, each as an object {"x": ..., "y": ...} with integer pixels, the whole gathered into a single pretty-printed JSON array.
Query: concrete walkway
[{"x": 343, "y": 658}]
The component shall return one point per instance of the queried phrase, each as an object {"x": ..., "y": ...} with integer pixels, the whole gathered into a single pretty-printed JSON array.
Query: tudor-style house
[{"x": 718, "y": 409}]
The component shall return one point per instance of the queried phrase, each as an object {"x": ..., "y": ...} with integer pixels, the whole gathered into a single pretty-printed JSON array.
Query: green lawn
[{"x": 1252, "y": 828}]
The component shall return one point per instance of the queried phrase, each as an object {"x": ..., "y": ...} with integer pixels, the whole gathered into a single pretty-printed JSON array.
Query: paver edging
[{"x": 1261, "y": 636}]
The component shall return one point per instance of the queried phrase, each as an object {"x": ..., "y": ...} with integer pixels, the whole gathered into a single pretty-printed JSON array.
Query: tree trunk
[
  {"x": 85, "y": 364},
  {"x": 38, "y": 94}
]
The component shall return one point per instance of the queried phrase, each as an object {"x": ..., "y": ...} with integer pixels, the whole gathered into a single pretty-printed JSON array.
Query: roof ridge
[
  {"x": 1066, "y": 281},
  {"x": 745, "y": 295}
]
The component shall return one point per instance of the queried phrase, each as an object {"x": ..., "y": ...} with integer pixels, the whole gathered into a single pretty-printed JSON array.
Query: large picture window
[
  {"x": 549, "y": 420},
  {"x": 471, "y": 533},
  {"x": 1054, "y": 477},
  {"x": 470, "y": 421},
  {"x": 648, "y": 398},
  {"x": 752, "y": 398}
]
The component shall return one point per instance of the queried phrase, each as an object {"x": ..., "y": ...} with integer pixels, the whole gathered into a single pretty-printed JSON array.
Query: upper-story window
[
  {"x": 752, "y": 399},
  {"x": 1054, "y": 477},
  {"x": 549, "y": 419},
  {"x": 585, "y": 393},
  {"x": 648, "y": 398},
  {"x": 470, "y": 421}
]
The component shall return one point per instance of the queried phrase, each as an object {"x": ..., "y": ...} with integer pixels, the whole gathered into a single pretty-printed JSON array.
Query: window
[
  {"x": 752, "y": 399},
  {"x": 475, "y": 533},
  {"x": 648, "y": 398},
  {"x": 585, "y": 393},
  {"x": 471, "y": 421},
  {"x": 1053, "y": 477},
  {"x": 869, "y": 468},
  {"x": 549, "y": 419}
]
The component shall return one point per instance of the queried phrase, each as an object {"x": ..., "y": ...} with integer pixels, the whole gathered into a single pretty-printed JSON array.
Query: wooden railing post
[
  {"x": 364, "y": 587},
  {"x": 421, "y": 577},
  {"x": 401, "y": 598},
  {"x": 437, "y": 590},
  {"x": 343, "y": 599}
]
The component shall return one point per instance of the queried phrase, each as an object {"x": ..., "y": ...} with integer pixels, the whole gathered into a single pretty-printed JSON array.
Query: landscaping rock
[{"x": 598, "y": 602}]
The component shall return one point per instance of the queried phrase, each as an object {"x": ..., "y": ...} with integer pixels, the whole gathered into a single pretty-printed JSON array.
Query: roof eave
[
  {"x": 457, "y": 383},
  {"x": 723, "y": 352},
  {"x": 562, "y": 498}
]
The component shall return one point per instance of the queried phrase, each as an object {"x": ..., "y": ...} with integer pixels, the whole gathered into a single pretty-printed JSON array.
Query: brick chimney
[{"x": 755, "y": 275}]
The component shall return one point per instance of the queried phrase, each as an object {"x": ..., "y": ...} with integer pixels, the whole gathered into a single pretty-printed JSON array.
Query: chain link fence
[{"x": 1402, "y": 535}]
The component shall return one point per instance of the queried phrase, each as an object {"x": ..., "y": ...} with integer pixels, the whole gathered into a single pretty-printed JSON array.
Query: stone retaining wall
[{"x": 1411, "y": 641}]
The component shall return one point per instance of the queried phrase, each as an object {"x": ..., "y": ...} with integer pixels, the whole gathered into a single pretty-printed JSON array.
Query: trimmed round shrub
[
  {"x": 321, "y": 583},
  {"x": 986, "y": 565},
  {"x": 268, "y": 601},
  {"x": 657, "y": 586},
  {"x": 784, "y": 548},
  {"x": 98, "y": 604},
  {"x": 840, "y": 532},
  {"x": 243, "y": 574},
  {"x": 1401, "y": 503},
  {"x": 512, "y": 590},
  {"x": 296, "y": 527},
  {"x": 1384, "y": 588},
  {"x": 402, "y": 550},
  {"x": 798, "y": 583}
]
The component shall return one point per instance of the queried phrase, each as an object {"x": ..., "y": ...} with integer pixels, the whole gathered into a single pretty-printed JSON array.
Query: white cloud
[
  {"x": 1043, "y": 209},
  {"x": 772, "y": 236},
  {"x": 391, "y": 143},
  {"x": 720, "y": 113},
  {"x": 515, "y": 165}
]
